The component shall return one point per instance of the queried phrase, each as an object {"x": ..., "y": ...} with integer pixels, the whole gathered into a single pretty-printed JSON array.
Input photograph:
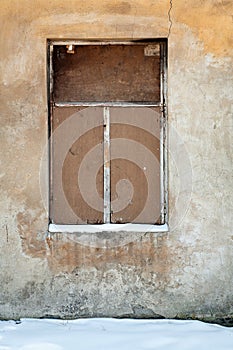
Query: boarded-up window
[{"x": 106, "y": 122}]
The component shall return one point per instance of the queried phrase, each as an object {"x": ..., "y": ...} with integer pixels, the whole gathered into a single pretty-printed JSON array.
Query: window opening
[{"x": 108, "y": 132}]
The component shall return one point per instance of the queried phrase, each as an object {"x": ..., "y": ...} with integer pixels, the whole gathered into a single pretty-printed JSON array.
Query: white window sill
[{"x": 53, "y": 228}]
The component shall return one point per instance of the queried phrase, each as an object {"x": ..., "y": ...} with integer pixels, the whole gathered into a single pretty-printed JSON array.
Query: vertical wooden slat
[
  {"x": 107, "y": 208},
  {"x": 163, "y": 133}
]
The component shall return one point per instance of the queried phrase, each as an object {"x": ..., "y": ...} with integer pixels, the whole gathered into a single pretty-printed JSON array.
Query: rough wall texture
[{"x": 187, "y": 272}]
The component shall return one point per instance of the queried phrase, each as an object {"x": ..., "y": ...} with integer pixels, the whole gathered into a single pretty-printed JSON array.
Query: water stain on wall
[{"x": 64, "y": 254}]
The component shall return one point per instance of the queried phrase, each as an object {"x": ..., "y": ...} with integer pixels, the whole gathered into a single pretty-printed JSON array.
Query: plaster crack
[
  {"x": 170, "y": 18},
  {"x": 7, "y": 234}
]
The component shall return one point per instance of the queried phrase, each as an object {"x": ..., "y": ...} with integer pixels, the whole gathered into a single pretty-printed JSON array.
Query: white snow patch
[
  {"x": 41, "y": 346},
  {"x": 112, "y": 334}
]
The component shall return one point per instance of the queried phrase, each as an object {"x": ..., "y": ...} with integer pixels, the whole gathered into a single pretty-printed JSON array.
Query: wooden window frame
[{"x": 107, "y": 226}]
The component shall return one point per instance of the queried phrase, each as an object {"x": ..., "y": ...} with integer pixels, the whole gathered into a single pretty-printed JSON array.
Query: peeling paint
[{"x": 147, "y": 253}]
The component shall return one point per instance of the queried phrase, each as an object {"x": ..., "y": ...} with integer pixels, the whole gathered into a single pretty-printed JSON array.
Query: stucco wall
[{"x": 185, "y": 272}]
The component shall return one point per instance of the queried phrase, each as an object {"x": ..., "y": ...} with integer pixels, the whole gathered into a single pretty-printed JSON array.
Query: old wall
[{"x": 186, "y": 272}]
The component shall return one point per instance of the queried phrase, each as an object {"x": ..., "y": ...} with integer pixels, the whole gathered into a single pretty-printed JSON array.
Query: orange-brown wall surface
[{"x": 186, "y": 272}]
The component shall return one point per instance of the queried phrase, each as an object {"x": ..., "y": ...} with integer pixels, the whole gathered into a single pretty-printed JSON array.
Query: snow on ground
[{"x": 112, "y": 334}]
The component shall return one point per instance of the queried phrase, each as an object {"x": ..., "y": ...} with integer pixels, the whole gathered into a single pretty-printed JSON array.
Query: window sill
[{"x": 53, "y": 228}]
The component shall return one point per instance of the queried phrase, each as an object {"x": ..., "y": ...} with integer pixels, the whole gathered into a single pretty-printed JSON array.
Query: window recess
[{"x": 107, "y": 133}]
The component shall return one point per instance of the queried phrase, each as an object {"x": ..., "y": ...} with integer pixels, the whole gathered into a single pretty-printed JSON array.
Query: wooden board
[
  {"x": 135, "y": 165},
  {"x": 73, "y": 197},
  {"x": 106, "y": 73},
  {"x": 79, "y": 144}
]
